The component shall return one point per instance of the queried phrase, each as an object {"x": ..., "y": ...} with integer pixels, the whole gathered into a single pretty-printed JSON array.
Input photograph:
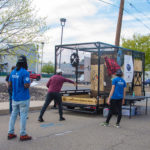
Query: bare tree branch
[{"x": 18, "y": 25}]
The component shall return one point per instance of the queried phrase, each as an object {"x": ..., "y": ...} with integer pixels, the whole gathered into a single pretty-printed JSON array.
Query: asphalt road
[{"x": 79, "y": 132}]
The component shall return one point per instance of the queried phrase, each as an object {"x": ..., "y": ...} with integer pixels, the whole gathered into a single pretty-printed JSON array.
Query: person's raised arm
[{"x": 68, "y": 80}]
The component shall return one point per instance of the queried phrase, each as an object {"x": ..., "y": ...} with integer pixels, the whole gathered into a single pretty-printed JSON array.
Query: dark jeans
[
  {"x": 57, "y": 98},
  {"x": 10, "y": 100},
  {"x": 115, "y": 108}
]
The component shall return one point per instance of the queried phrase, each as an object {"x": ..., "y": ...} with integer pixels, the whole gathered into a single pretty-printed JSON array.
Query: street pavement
[{"x": 80, "y": 131}]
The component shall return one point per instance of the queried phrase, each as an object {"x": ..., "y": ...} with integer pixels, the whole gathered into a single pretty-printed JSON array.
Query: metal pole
[
  {"x": 56, "y": 49},
  {"x": 143, "y": 69},
  {"x": 77, "y": 73},
  {"x": 99, "y": 55},
  {"x": 61, "y": 44},
  {"x": 62, "y": 21},
  {"x": 99, "y": 64},
  {"x": 119, "y": 24}
]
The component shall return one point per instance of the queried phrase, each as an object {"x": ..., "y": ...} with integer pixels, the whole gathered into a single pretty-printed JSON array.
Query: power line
[
  {"x": 138, "y": 10},
  {"x": 137, "y": 19},
  {"x": 109, "y": 3}
]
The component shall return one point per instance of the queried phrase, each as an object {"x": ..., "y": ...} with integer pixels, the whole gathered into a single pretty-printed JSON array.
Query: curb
[{"x": 34, "y": 106}]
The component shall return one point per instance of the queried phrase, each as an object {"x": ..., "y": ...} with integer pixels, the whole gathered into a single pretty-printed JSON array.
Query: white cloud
[{"x": 86, "y": 22}]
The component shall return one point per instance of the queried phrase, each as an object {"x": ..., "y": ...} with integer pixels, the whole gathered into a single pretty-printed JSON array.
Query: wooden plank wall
[
  {"x": 81, "y": 100},
  {"x": 94, "y": 77},
  {"x": 105, "y": 79},
  {"x": 137, "y": 65},
  {"x": 138, "y": 68}
]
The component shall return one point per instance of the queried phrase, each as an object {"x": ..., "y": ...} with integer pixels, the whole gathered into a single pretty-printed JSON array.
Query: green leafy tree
[
  {"x": 139, "y": 43},
  {"x": 19, "y": 26},
  {"x": 48, "y": 68}
]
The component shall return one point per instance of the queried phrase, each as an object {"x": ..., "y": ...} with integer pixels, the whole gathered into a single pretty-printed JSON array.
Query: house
[
  {"x": 29, "y": 50},
  {"x": 83, "y": 69}
]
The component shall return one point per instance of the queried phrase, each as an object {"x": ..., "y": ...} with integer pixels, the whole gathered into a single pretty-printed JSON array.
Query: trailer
[{"x": 104, "y": 60}]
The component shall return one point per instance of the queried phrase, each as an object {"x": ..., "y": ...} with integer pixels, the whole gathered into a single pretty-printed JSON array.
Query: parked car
[
  {"x": 34, "y": 75},
  {"x": 147, "y": 82}
]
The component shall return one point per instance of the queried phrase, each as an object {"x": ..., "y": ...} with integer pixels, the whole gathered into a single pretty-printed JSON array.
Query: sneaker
[
  {"x": 11, "y": 136},
  {"x": 105, "y": 124},
  {"x": 62, "y": 119},
  {"x": 40, "y": 119},
  {"x": 117, "y": 125},
  {"x": 25, "y": 138}
]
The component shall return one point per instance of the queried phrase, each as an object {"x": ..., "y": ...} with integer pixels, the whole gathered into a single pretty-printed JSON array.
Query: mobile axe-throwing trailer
[{"x": 104, "y": 59}]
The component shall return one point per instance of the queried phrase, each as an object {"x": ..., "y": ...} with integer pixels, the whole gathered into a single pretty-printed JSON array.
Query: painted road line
[
  {"x": 62, "y": 133},
  {"x": 52, "y": 134},
  {"x": 50, "y": 125}
]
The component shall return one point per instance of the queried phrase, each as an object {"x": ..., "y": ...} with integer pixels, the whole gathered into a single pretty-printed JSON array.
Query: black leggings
[
  {"x": 57, "y": 98},
  {"x": 115, "y": 108}
]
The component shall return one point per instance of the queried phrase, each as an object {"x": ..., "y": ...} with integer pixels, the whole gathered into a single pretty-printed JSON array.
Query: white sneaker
[
  {"x": 105, "y": 124},
  {"x": 117, "y": 125}
]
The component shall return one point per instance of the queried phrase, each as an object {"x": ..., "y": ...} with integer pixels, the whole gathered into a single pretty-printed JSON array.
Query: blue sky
[{"x": 91, "y": 20}]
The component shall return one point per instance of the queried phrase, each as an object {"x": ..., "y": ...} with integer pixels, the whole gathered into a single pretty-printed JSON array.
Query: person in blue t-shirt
[
  {"x": 19, "y": 80},
  {"x": 116, "y": 98}
]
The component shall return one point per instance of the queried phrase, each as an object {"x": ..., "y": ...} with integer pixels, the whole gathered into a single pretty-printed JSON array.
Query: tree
[
  {"x": 139, "y": 43},
  {"x": 48, "y": 68},
  {"x": 18, "y": 25}
]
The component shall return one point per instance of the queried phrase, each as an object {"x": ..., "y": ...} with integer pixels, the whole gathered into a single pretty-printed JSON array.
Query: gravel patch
[{"x": 36, "y": 93}]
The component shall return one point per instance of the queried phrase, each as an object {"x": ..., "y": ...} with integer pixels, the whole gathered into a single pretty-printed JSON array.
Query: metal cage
[{"x": 100, "y": 49}]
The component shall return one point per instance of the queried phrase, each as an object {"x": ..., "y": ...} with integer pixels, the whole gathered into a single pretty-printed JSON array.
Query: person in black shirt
[{"x": 9, "y": 90}]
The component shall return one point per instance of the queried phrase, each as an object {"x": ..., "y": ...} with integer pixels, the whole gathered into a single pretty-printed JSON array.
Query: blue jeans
[{"x": 23, "y": 108}]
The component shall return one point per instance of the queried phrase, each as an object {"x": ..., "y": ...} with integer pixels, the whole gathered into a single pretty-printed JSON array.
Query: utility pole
[{"x": 119, "y": 23}]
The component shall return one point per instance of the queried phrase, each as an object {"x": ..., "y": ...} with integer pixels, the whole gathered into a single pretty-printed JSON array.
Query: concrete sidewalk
[{"x": 34, "y": 105}]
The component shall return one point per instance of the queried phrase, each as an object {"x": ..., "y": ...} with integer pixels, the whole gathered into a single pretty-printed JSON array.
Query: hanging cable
[
  {"x": 109, "y": 3},
  {"x": 138, "y": 10},
  {"x": 137, "y": 19}
]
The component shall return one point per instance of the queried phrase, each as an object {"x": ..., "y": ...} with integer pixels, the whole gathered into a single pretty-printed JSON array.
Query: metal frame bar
[
  {"x": 143, "y": 65},
  {"x": 66, "y": 46}
]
